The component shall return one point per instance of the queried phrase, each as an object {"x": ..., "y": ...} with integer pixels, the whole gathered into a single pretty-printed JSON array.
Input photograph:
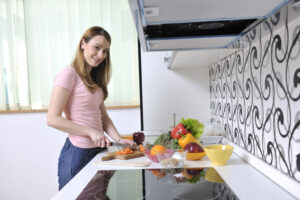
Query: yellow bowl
[
  {"x": 219, "y": 153},
  {"x": 195, "y": 156}
]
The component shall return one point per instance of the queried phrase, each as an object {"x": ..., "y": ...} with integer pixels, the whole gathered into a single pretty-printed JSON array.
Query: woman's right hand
[{"x": 99, "y": 138}]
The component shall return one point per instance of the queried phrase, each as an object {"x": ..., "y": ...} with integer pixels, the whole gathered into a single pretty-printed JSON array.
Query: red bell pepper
[{"x": 178, "y": 131}]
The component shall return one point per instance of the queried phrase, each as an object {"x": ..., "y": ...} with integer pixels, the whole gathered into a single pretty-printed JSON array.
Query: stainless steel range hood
[{"x": 197, "y": 24}]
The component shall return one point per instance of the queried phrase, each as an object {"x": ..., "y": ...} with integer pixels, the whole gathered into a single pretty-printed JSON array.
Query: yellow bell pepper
[{"x": 184, "y": 140}]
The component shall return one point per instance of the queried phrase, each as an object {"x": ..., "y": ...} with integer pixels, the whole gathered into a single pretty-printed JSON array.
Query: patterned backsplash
[{"x": 255, "y": 92}]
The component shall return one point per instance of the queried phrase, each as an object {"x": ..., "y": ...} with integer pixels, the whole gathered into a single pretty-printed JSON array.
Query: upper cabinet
[
  {"x": 164, "y": 25},
  {"x": 195, "y": 58}
]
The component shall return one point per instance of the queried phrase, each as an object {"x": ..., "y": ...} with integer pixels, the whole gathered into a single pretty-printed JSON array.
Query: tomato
[{"x": 177, "y": 130}]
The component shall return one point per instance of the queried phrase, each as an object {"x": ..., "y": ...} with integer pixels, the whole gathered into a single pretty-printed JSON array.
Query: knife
[
  {"x": 133, "y": 147},
  {"x": 113, "y": 143}
]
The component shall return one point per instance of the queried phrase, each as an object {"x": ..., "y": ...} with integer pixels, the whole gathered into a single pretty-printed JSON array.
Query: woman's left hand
[{"x": 126, "y": 141}]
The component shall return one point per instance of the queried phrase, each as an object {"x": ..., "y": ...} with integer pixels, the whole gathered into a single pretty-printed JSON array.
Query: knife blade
[{"x": 134, "y": 147}]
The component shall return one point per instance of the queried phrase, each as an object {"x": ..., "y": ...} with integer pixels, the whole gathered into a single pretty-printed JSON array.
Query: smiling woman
[
  {"x": 79, "y": 91},
  {"x": 32, "y": 57}
]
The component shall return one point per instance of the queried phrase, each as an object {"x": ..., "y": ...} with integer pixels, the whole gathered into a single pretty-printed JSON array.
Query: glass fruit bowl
[
  {"x": 175, "y": 160},
  {"x": 168, "y": 153}
]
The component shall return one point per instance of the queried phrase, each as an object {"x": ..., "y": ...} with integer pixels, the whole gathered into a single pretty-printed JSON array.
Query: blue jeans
[{"x": 72, "y": 159}]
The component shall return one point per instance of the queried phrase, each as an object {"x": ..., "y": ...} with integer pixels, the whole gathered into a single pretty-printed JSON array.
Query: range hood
[{"x": 164, "y": 25}]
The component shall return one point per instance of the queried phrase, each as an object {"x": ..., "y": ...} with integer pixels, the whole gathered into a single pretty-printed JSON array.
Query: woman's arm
[
  {"x": 110, "y": 128},
  {"x": 58, "y": 101}
]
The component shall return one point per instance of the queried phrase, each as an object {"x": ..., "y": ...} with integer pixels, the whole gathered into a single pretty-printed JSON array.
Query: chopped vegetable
[
  {"x": 124, "y": 151},
  {"x": 193, "y": 126}
]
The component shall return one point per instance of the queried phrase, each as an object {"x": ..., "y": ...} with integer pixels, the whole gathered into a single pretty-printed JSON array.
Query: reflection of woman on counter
[
  {"x": 80, "y": 90},
  {"x": 97, "y": 187}
]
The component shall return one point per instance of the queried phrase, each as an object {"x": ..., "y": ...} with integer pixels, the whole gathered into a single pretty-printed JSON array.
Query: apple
[
  {"x": 193, "y": 147},
  {"x": 138, "y": 137}
]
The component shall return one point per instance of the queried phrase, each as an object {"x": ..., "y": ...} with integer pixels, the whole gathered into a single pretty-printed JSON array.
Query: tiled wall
[{"x": 255, "y": 92}]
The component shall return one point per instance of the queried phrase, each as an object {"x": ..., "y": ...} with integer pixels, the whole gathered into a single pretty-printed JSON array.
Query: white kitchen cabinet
[{"x": 195, "y": 58}]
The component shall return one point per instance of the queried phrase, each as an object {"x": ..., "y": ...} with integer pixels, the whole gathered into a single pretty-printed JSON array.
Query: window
[{"x": 39, "y": 38}]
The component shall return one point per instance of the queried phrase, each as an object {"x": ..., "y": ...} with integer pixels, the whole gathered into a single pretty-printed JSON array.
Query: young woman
[{"x": 80, "y": 90}]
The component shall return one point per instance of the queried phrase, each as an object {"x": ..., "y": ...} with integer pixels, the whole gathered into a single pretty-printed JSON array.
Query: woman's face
[{"x": 95, "y": 50}]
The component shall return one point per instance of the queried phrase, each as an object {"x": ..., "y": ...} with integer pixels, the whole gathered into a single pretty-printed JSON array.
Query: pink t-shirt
[{"x": 82, "y": 107}]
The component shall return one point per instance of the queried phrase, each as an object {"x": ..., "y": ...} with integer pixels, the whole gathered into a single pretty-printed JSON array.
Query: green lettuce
[{"x": 193, "y": 126}]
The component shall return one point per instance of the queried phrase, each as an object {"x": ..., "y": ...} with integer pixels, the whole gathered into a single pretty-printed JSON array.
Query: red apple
[
  {"x": 138, "y": 137},
  {"x": 193, "y": 147}
]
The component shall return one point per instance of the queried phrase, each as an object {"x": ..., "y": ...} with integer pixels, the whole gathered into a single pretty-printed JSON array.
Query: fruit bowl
[
  {"x": 195, "y": 156},
  {"x": 174, "y": 160},
  {"x": 194, "y": 151},
  {"x": 219, "y": 154},
  {"x": 154, "y": 158}
]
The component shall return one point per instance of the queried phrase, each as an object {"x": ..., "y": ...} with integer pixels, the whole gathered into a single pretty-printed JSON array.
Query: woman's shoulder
[
  {"x": 68, "y": 70},
  {"x": 66, "y": 78}
]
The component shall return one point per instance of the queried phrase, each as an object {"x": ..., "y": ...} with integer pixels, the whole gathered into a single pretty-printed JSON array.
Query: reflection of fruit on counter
[
  {"x": 194, "y": 171},
  {"x": 186, "y": 175},
  {"x": 180, "y": 175},
  {"x": 193, "y": 175},
  {"x": 158, "y": 173}
]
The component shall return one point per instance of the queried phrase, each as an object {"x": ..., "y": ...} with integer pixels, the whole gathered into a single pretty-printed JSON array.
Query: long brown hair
[{"x": 99, "y": 76}]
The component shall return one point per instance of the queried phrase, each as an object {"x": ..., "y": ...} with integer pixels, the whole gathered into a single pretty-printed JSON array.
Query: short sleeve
[{"x": 66, "y": 78}]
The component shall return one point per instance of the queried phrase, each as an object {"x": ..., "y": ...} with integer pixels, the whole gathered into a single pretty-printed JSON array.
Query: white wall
[
  {"x": 29, "y": 151},
  {"x": 181, "y": 91}
]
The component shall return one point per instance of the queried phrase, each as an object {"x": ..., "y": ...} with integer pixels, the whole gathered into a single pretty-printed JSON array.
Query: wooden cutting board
[{"x": 113, "y": 155}]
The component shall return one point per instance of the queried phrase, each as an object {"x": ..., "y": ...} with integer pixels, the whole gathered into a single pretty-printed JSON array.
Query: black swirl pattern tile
[{"x": 255, "y": 92}]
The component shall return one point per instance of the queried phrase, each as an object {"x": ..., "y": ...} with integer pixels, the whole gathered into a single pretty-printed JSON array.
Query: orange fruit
[
  {"x": 158, "y": 173},
  {"x": 157, "y": 149}
]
